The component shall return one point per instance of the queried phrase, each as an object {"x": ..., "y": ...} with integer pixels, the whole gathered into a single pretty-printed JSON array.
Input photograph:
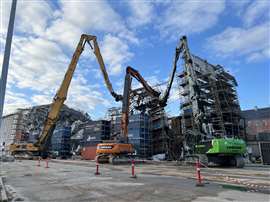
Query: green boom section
[{"x": 227, "y": 146}]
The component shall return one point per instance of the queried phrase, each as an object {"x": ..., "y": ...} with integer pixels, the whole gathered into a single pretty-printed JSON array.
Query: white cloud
[
  {"x": 153, "y": 81},
  {"x": 97, "y": 15},
  {"x": 142, "y": 13},
  {"x": 35, "y": 63},
  {"x": 64, "y": 32},
  {"x": 41, "y": 55},
  {"x": 258, "y": 56},
  {"x": 41, "y": 99},
  {"x": 253, "y": 42},
  {"x": 186, "y": 17},
  {"x": 116, "y": 54},
  {"x": 14, "y": 101},
  {"x": 258, "y": 9},
  {"x": 238, "y": 6},
  {"x": 174, "y": 94},
  {"x": 4, "y": 15},
  {"x": 86, "y": 97},
  {"x": 93, "y": 16},
  {"x": 32, "y": 17}
]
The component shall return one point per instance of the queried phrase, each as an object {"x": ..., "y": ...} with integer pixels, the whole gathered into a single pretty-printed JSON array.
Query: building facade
[
  {"x": 257, "y": 123},
  {"x": 8, "y": 129},
  {"x": 25, "y": 125},
  {"x": 139, "y": 134},
  {"x": 13, "y": 127},
  {"x": 159, "y": 134}
]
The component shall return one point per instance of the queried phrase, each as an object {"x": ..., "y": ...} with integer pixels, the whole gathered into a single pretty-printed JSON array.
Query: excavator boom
[
  {"x": 181, "y": 48},
  {"x": 130, "y": 72},
  {"x": 61, "y": 94}
]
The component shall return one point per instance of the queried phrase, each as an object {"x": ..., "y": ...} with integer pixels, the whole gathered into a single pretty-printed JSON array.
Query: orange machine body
[{"x": 114, "y": 148}]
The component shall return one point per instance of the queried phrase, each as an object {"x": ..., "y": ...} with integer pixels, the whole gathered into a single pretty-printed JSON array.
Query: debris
[
  {"x": 6, "y": 158},
  {"x": 159, "y": 157}
]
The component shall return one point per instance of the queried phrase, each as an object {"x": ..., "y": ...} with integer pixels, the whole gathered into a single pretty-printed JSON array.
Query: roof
[{"x": 253, "y": 114}]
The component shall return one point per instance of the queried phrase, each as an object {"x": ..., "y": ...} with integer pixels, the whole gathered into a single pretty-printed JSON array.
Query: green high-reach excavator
[{"x": 211, "y": 114}]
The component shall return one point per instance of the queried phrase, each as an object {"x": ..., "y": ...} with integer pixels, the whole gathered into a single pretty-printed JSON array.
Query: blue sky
[{"x": 142, "y": 34}]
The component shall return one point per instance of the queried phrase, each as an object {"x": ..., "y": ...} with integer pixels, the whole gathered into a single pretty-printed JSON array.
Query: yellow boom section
[{"x": 61, "y": 94}]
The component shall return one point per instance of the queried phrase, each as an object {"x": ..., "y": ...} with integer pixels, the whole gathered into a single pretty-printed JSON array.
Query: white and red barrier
[
  {"x": 97, "y": 168},
  {"x": 133, "y": 175},
  {"x": 198, "y": 174}
]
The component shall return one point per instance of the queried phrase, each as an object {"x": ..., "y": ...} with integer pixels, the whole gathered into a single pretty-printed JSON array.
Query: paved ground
[{"x": 75, "y": 181}]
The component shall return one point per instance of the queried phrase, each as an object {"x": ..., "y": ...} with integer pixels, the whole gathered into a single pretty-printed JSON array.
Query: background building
[
  {"x": 86, "y": 136},
  {"x": 25, "y": 125},
  {"x": 138, "y": 133},
  {"x": 257, "y": 122},
  {"x": 159, "y": 133},
  {"x": 8, "y": 129},
  {"x": 13, "y": 128}
]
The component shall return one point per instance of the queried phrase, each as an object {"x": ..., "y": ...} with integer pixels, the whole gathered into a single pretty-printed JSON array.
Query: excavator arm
[
  {"x": 111, "y": 152},
  {"x": 130, "y": 72},
  {"x": 182, "y": 47},
  {"x": 61, "y": 94}
]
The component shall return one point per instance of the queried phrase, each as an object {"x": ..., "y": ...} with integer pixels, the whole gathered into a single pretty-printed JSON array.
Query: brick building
[{"x": 257, "y": 122}]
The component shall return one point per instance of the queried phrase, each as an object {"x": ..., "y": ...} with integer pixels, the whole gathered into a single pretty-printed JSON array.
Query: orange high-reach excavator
[{"x": 122, "y": 150}]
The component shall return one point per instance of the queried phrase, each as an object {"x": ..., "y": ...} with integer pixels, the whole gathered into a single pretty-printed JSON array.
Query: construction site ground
[{"x": 75, "y": 180}]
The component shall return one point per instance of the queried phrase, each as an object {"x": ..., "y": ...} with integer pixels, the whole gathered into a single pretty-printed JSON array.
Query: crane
[
  {"x": 116, "y": 151},
  {"x": 39, "y": 147}
]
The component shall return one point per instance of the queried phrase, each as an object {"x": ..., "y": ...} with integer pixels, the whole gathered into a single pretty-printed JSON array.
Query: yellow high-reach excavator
[{"x": 29, "y": 150}]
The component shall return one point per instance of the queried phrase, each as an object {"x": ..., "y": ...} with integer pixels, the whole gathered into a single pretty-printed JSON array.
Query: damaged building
[
  {"x": 86, "y": 136},
  {"x": 25, "y": 125}
]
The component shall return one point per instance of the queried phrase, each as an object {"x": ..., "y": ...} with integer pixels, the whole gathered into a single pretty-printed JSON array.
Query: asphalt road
[{"x": 64, "y": 181}]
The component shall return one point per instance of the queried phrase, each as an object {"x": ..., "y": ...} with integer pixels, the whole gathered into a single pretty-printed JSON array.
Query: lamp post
[{"x": 5, "y": 65}]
